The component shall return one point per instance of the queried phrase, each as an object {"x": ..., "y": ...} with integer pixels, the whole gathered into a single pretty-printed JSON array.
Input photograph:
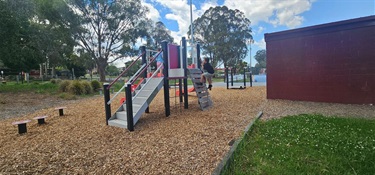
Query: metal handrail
[
  {"x": 132, "y": 79},
  {"x": 152, "y": 50},
  {"x": 114, "y": 81},
  {"x": 149, "y": 81},
  {"x": 145, "y": 68}
]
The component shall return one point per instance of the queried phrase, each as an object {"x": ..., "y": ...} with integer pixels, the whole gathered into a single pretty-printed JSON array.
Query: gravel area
[{"x": 189, "y": 141}]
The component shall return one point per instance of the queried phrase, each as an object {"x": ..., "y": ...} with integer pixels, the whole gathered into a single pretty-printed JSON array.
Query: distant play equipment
[{"x": 230, "y": 71}]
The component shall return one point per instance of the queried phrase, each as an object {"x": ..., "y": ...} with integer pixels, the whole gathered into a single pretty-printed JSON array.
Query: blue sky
[{"x": 267, "y": 16}]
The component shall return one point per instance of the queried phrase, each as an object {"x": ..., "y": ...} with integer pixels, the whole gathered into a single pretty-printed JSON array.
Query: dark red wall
[{"x": 333, "y": 62}]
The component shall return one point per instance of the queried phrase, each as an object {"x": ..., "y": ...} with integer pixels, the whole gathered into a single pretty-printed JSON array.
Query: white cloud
[
  {"x": 259, "y": 30},
  {"x": 180, "y": 12},
  {"x": 276, "y": 12},
  {"x": 153, "y": 13},
  {"x": 261, "y": 43}
]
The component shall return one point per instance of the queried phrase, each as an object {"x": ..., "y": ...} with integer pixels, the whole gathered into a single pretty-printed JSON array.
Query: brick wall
[{"x": 332, "y": 62}]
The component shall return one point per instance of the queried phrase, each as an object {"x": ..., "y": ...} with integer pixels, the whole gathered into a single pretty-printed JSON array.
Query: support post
[
  {"x": 166, "y": 78},
  {"x": 180, "y": 80},
  {"x": 231, "y": 76},
  {"x": 244, "y": 77},
  {"x": 227, "y": 76},
  {"x": 129, "y": 106},
  {"x": 251, "y": 79},
  {"x": 22, "y": 128},
  {"x": 106, "y": 99},
  {"x": 144, "y": 61},
  {"x": 184, "y": 64},
  {"x": 199, "y": 61}
]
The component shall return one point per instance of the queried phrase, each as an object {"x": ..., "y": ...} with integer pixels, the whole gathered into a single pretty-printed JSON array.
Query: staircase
[
  {"x": 141, "y": 100},
  {"x": 204, "y": 98}
]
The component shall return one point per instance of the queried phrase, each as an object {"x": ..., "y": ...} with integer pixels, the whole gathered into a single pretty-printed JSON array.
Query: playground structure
[
  {"x": 229, "y": 70},
  {"x": 139, "y": 96}
]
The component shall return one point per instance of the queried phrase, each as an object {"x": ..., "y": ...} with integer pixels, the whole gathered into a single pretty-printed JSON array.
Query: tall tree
[
  {"x": 109, "y": 28},
  {"x": 57, "y": 23},
  {"x": 161, "y": 33},
  {"x": 222, "y": 33},
  {"x": 18, "y": 49},
  {"x": 261, "y": 58}
]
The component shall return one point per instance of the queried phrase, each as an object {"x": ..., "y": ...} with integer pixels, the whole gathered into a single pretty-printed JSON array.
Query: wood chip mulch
[{"x": 189, "y": 141}]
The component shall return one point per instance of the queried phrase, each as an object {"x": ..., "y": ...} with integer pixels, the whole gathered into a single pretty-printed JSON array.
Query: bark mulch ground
[{"x": 189, "y": 141}]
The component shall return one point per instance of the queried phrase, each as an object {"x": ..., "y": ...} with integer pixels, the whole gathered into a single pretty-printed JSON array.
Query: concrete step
[{"x": 118, "y": 123}]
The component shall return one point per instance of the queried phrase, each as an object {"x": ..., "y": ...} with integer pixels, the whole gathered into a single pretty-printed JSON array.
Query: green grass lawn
[
  {"x": 307, "y": 144},
  {"x": 36, "y": 86}
]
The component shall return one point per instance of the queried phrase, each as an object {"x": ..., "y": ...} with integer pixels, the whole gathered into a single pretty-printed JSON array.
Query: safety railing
[
  {"x": 118, "y": 77},
  {"x": 143, "y": 69},
  {"x": 134, "y": 77}
]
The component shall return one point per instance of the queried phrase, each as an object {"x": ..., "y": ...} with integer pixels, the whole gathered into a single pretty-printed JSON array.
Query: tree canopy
[
  {"x": 222, "y": 33},
  {"x": 109, "y": 28},
  {"x": 261, "y": 58},
  {"x": 18, "y": 49}
]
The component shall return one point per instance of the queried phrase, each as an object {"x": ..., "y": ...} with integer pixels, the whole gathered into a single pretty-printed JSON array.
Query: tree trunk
[{"x": 101, "y": 70}]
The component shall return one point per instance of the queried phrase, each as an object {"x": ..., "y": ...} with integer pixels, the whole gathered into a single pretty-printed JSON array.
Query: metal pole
[
  {"x": 144, "y": 61},
  {"x": 231, "y": 76},
  {"x": 227, "y": 76},
  {"x": 184, "y": 65},
  {"x": 244, "y": 77},
  {"x": 191, "y": 30},
  {"x": 199, "y": 56},
  {"x": 166, "y": 78},
  {"x": 129, "y": 106},
  {"x": 106, "y": 99}
]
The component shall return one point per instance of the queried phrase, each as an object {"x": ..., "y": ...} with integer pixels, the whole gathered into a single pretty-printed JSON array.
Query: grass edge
[{"x": 228, "y": 157}]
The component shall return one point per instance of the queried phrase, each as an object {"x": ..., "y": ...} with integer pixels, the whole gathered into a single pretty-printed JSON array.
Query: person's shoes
[
  {"x": 199, "y": 83},
  {"x": 210, "y": 87}
]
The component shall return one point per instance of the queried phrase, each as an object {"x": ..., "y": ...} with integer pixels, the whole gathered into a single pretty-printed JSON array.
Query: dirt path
[{"x": 20, "y": 104}]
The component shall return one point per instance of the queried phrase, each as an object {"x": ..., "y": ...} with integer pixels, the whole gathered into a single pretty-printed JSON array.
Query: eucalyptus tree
[
  {"x": 35, "y": 32},
  {"x": 57, "y": 25},
  {"x": 222, "y": 33},
  {"x": 161, "y": 33},
  {"x": 109, "y": 28},
  {"x": 18, "y": 49},
  {"x": 261, "y": 58}
]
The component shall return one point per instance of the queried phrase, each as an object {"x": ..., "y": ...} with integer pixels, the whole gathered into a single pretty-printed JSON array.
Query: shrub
[
  {"x": 55, "y": 81},
  {"x": 95, "y": 85},
  {"x": 64, "y": 86},
  {"x": 87, "y": 87},
  {"x": 76, "y": 88},
  {"x": 67, "y": 96}
]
